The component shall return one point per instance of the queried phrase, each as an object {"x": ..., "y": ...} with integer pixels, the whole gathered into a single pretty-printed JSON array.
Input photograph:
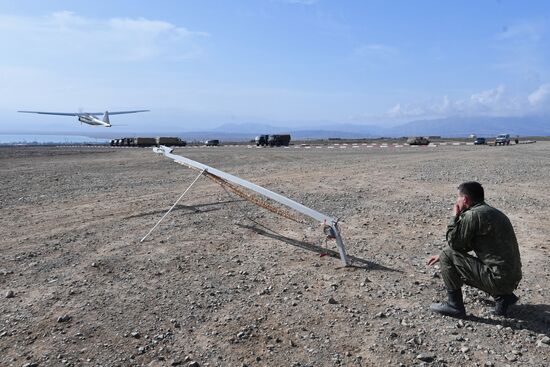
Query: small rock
[
  {"x": 332, "y": 301},
  {"x": 135, "y": 334},
  {"x": 464, "y": 349},
  {"x": 425, "y": 357},
  {"x": 10, "y": 294},
  {"x": 545, "y": 340},
  {"x": 94, "y": 265},
  {"x": 31, "y": 364},
  {"x": 540, "y": 344},
  {"x": 64, "y": 318},
  {"x": 194, "y": 364},
  {"x": 511, "y": 357}
]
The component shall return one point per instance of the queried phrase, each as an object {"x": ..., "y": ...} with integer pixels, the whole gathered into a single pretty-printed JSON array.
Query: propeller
[{"x": 80, "y": 110}]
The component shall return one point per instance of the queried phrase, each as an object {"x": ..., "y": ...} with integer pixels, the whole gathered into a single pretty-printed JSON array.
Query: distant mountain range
[
  {"x": 481, "y": 126},
  {"x": 447, "y": 127}
]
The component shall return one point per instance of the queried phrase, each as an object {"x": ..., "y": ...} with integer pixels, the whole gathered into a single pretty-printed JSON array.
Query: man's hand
[
  {"x": 433, "y": 260},
  {"x": 457, "y": 209}
]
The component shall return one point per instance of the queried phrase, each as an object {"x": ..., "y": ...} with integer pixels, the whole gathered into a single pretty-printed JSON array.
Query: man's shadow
[
  {"x": 534, "y": 317},
  {"x": 355, "y": 261}
]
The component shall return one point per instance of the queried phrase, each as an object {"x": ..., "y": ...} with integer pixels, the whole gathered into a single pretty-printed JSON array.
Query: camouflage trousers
[{"x": 458, "y": 268}]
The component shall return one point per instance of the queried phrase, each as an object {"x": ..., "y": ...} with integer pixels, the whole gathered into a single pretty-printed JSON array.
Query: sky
[{"x": 294, "y": 63}]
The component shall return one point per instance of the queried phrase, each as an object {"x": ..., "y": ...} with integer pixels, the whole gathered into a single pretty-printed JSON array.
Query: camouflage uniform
[{"x": 496, "y": 269}]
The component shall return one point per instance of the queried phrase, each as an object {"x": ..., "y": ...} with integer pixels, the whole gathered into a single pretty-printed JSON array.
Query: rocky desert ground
[{"x": 222, "y": 282}]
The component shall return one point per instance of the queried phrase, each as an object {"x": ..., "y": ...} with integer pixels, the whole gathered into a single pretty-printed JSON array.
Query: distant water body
[{"x": 32, "y": 139}]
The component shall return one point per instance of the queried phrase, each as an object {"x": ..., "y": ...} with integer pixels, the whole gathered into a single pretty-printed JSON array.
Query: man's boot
[
  {"x": 453, "y": 307},
  {"x": 503, "y": 302}
]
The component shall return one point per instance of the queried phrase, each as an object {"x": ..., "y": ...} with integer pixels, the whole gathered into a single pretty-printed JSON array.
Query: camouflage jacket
[{"x": 489, "y": 233}]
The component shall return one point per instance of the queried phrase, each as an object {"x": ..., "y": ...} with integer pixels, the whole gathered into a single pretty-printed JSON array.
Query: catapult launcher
[{"x": 236, "y": 185}]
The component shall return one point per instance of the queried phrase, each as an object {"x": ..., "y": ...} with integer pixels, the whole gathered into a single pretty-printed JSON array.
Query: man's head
[{"x": 469, "y": 194}]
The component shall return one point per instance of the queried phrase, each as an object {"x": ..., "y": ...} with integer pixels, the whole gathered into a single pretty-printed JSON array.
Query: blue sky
[{"x": 200, "y": 64}]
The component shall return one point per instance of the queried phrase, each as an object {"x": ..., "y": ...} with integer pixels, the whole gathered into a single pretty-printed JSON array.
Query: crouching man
[{"x": 496, "y": 268}]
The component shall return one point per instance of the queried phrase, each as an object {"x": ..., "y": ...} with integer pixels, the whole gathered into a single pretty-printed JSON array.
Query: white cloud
[
  {"x": 497, "y": 101},
  {"x": 540, "y": 95},
  {"x": 66, "y": 34},
  {"x": 153, "y": 27},
  {"x": 490, "y": 97},
  {"x": 405, "y": 111}
]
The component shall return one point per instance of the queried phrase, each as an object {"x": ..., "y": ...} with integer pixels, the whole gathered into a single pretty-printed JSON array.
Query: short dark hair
[{"x": 473, "y": 190}]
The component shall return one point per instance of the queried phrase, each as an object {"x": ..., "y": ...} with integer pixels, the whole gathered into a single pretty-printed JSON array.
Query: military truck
[
  {"x": 125, "y": 141},
  {"x": 273, "y": 140},
  {"x": 134, "y": 142},
  {"x": 417, "y": 140},
  {"x": 143, "y": 142},
  {"x": 261, "y": 140},
  {"x": 278, "y": 140},
  {"x": 170, "y": 141}
]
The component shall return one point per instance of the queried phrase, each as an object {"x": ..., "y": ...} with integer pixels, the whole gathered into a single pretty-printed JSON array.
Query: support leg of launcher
[
  {"x": 340, "y": 244},
  {"x": 172, "y": 207}
]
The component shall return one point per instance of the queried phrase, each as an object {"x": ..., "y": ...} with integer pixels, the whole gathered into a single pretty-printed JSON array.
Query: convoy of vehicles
[
  {"x": 148, "y": 142},
  {"x": 278, "y": 140}
]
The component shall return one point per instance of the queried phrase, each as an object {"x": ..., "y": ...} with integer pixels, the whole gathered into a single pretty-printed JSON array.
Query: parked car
[
  {"x": 502, "y": 139},
  {"x": 480, "y": 141},
  {"x": 212, "y": 143}
]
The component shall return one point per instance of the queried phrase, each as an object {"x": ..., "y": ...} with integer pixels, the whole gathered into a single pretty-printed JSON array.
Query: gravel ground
[{"x": 222, "y": 282}]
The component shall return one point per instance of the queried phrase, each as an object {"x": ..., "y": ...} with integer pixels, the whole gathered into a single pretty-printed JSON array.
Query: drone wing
[
  {"x": 54, "y": 113},
  {"x": 124, "y": 112},
  {"x": 82, "y": 113}
]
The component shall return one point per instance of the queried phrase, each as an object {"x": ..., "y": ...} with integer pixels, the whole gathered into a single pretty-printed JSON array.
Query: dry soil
[{"x": 222, "y": 282}]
